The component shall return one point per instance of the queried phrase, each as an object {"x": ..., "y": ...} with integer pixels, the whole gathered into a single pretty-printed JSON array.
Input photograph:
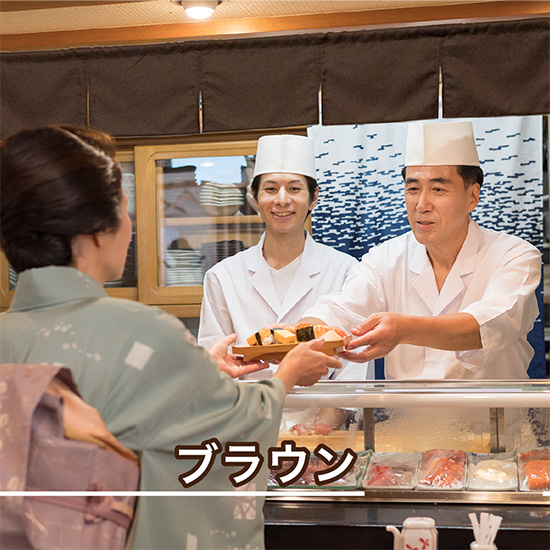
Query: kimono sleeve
[
  {"x": 184, "y": 400},
  {"x": 180, "y": 391}
]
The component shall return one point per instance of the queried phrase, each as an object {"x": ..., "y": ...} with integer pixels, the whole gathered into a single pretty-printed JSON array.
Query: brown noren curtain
[
  {"x": 379, "y": 76},
  {"x": 265, "y": 83},
  {"x": 42, "y": 88},
  {"x": 497, "y": 69},
  {"x": 144, "y": 91},
  {"x": 383, "y": 75}
]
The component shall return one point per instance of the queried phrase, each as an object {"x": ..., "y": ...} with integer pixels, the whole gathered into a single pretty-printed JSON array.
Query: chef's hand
[
  {"x": 378, "y": 334},
  {"x": 233, "y": 364},
  {"x": 305, "y": 364}
]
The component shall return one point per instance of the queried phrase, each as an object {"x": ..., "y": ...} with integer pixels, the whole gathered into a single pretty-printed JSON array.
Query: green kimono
[{"x": 155, "y": 389}]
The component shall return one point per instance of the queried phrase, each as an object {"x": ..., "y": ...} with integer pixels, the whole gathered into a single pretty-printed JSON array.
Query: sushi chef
[
  {"x": 449, "y": 299},
  {"x": 275, "y": 281}
]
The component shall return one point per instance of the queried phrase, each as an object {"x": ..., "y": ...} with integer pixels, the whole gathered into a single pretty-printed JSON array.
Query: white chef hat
[
  {"x": 441, "y": 144},
  {"x": 286, "y": 154}
]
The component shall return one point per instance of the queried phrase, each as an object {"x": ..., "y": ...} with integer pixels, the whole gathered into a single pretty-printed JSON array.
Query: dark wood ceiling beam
[{"x": 274, "y": 25}]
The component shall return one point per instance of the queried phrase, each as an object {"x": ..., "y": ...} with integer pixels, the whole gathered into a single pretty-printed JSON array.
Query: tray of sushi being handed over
[{"x": 272, "y": 344}]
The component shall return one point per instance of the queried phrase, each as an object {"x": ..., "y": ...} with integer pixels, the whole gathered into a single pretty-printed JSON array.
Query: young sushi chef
[
  {"x": 449, "y": 299},
  {"x": 284, "y": 274}
]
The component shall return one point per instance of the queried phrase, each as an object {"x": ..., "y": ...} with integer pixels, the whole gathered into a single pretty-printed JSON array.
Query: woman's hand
[
  {"x": 305, "y": 364},
  {"x": 232, "y": 364}
]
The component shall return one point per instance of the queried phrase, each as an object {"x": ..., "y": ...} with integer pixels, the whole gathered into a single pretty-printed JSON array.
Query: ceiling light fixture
[{"x": 199, "y": 9}]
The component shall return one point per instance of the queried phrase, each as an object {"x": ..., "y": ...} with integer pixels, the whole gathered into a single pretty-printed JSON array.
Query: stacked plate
[
  {"x": 215, "y": 252},
  {"x": 184, "y": 268},
  {"x": 182, "y": 201},
  {"x": 220, "y": 199}
]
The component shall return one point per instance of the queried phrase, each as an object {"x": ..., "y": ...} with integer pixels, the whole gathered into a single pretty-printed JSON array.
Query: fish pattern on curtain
[{"x": 361, "y": 201}]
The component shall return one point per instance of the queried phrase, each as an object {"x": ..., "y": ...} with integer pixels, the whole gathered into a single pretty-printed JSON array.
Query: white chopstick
[{"x": 475, "y": 526}]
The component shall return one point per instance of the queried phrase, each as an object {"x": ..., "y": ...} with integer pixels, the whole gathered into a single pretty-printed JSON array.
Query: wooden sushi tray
[{"x": 275, "y": 352}]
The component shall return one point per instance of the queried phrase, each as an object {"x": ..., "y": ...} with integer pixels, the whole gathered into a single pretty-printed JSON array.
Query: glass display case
[
  {"x": 402, "y": 424},
  {"x": 487, "y": 430}
]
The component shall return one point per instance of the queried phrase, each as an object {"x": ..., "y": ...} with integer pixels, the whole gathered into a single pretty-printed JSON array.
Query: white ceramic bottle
[{"x": 419, "y": 533}]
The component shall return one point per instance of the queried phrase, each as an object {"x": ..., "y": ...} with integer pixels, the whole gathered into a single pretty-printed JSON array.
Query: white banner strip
[{"x": 316, "y": 493}]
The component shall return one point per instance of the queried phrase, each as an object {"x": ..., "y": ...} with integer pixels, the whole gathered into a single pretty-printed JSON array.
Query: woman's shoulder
[{"x": 131, "y": 315}]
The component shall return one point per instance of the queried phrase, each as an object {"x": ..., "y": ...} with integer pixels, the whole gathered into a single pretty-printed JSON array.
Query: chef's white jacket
[
  {"x": 240, "y": 297},
  {"x": 494, "y": 278}
]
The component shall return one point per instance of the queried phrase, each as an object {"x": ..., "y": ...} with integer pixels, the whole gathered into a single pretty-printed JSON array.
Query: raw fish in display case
[
  {"x": 442, "y": 469},
  {"x": 534, "y": 469},
  {"x": 492, "y": 472},
  {"x": 392, "y": 470}
]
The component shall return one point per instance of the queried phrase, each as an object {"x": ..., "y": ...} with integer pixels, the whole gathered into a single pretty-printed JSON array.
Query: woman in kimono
[
  {"x": 65, "y": 229},
  {"x": 275, "y": 281}
]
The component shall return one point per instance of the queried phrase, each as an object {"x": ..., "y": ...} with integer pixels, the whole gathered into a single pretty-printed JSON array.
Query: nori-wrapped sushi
[
  {"x": 305, "y": 333},
  {"x": 261, "y": 338}
]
